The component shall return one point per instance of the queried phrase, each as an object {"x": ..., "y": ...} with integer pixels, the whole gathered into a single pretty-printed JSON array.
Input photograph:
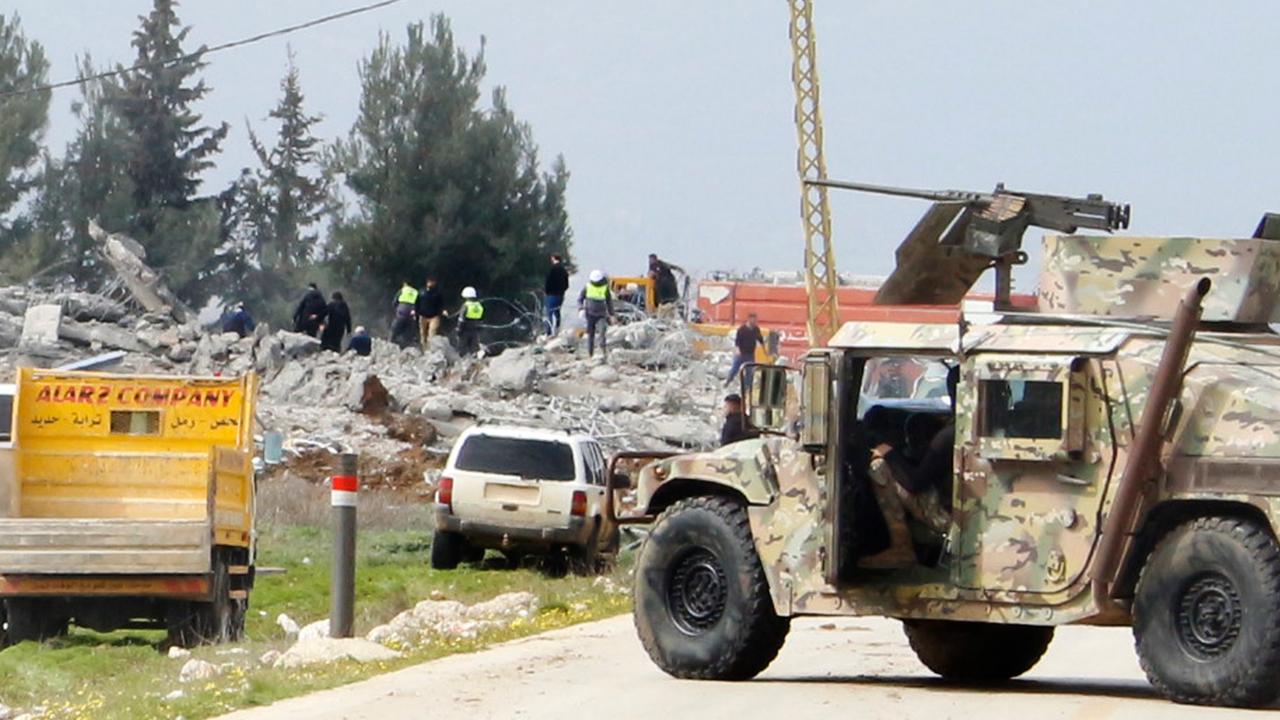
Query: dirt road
[{"x": 846, "y": 668}]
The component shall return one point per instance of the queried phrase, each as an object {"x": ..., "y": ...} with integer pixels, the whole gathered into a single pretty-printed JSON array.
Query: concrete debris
[
  {"x": 430, "y": 620},
  {"x": 288, "y": 625},
  {"x": 175, "y": 695},
  {"x": 321, "y": 650},
  {"x": 196, "y": 670},
  {"x": 515, "y": 371},
  {"x": 6, "y": 712},
  {"x": 269, "y": 658},
  {"x": 311, "y": 631},
  {"x": 176, "y": 653},
  {"x": 659, "y": 389},
  {"x": 128, "y": 259}
]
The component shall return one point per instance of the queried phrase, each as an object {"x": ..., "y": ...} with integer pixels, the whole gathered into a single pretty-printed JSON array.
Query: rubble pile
[{"x": 659, "y": 388}]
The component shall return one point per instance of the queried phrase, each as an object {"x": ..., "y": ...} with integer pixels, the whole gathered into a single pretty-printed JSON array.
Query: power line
[{"x": 206, "y": 51}]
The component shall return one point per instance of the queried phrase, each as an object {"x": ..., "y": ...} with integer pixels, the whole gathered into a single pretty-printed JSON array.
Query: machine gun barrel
[{"x": 1055, "y": 212}]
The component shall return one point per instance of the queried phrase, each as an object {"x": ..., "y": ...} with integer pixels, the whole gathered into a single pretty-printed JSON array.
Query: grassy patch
[{"x": 122, "y": 675}]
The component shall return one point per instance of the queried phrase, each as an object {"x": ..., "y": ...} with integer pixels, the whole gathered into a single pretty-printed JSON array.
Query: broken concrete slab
[
  {"x": 128, "y": 259},
  {"x": 40, "y": 325},
  {"x": 512, "y": 371}
]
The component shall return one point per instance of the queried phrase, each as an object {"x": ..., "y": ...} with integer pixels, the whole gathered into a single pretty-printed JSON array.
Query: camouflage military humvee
[{"x": 1116, "y": 461}]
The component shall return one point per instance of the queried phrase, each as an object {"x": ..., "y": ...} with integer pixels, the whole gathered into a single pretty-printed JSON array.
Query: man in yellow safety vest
[
  {"x": 596, "y": 304},
  {"x": 469, "y": 320},
  {"x": 403, "y": 325}
]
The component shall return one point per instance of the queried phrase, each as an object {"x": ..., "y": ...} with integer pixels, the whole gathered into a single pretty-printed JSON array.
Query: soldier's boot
[
  {"x": 900, "y": 552},
  {"x": 927, "y": 508}
]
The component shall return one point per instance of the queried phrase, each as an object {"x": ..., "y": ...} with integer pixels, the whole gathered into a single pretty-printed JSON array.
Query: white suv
[{"x": 523, "y": 491}]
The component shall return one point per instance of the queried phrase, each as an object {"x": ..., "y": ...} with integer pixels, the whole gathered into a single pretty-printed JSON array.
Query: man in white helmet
[
  {"x": 596, "y": 304},
  {"x": 469, "y": 319}
]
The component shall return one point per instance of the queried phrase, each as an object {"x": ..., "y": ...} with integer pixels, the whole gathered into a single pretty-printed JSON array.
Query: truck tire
[
  {"x": 977, "y": 652},
  {"x": 219, "y": 620},
  {"x": 33, "y": 619},
  {"x": 446, "y": 550},
  {"x": 702, "y": 604},
  {"x": 1206, "y": 616}
]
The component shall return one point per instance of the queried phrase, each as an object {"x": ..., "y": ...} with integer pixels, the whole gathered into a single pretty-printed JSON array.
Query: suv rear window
[{"x": 530, "y": 459}]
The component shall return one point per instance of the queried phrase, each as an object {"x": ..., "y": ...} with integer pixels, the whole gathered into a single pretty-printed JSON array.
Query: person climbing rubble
[
  {"x": 556, "y": 285},
  {"x": 745, "y": 341},
  {"x": 309, "y": 314},
  {"x": 360, "y": 342},
  {"x": 430, "y": 310},
  {"x": 469, "y": 319},
  {"x": 595, "y": 304},
  {"x": 402, "y": 325},
  {"x": 663, "y": 274},
  {"x": 337, "y": 323},
  {"x": 239, "y": 321}
]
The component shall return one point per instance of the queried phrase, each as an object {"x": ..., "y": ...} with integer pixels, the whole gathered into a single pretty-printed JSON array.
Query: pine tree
[
  {"x": 296, "y": 200},
  {"x": 23, "y": 119},
  {"x": 441, "y": 185},
  {"x": 170, "y": 148}
]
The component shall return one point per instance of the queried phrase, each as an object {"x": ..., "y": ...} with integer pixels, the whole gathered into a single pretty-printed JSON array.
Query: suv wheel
[
  {"x": 975, "y": 651},
  {"x": 702, "y": 604},
  {"x": 1206, "y": 617},
  {"x": 446, "y": 550}
]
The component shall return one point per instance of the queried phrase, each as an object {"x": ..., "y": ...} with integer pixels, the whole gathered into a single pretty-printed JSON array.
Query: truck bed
[{"x": 43, "y": 546}]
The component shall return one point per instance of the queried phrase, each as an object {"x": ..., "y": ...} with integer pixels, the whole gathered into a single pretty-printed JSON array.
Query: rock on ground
[
  {"x": 319, "y": 650},
  {"x": 317, "y": 629},
  {"x": 195, "y": 670}
]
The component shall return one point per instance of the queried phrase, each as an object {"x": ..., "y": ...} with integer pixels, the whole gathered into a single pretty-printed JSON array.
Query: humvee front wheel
[
  {"x": 702, "y": 604},
  {"x": 1206, "y": 616},
  {"x": 975, "y": 651}
]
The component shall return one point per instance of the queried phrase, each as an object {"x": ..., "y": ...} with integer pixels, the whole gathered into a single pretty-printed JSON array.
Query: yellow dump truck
[{"x": 126, "y": 501}]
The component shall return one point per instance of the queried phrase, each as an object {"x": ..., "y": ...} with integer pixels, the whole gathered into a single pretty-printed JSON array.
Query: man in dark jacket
[
  {"x": 337, "y": 322},
  {"x": 735, "y": 426},
  {"x": 360, "y": 342},
  {"x": 554, "y": 288},
  {"x": 239, "y": 321},
  {"x": 664, "y": 279},
  {"x": 310, "y": 311},
  {"x": 430, "y": 309},
  {"x": 745, "y": 341}
]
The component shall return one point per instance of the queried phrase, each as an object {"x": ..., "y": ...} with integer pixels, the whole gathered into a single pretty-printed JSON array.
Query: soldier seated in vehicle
[{"x": 921, "y": 489}]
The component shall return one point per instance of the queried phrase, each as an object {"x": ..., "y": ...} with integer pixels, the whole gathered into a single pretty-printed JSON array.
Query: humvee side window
[
  {"x": 1027, "y": 409},
  {"x": 1021, "y": 409}
]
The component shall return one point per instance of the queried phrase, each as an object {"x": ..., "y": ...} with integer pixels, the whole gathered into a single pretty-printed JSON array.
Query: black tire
[
  {"x": 4, "y": 624},
  {"x": 220, "y": 620},
  {"x": 1206, "y": 616},
  {"x": 977, "y": 652},
  {"x": 446, "y": 550},
  {"x": 33, "y": 619},
  {"x": 473, "y": 553},
  {"x": 702, "y": 604}
]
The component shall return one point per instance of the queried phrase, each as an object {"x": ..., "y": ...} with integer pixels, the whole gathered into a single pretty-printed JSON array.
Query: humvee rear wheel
[
  {"x": 977, "y": 652},
  {"x": 1206, "y": 617},
  {"x": 702, "y": 604}
]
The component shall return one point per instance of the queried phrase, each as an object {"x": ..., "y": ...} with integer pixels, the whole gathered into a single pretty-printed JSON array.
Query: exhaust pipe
[{"x": 1144, "y": 453}]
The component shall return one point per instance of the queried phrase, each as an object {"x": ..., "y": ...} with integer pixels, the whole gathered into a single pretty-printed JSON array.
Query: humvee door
[{"x": 1036, "y": 451}]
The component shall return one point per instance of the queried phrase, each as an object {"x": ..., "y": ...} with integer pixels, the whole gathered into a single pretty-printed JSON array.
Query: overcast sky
[{"x": 675, "y": 116}]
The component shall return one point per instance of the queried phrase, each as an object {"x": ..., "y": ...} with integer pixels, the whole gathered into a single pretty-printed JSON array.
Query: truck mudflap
[{"x": 182, "y": 587}]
